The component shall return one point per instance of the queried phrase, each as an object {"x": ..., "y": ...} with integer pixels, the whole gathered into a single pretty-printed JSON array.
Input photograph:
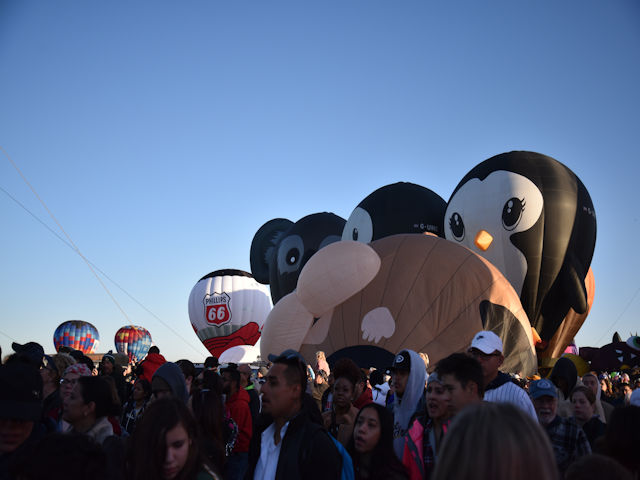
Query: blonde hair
[
  {"x": 320, "y": 355},
  {"x": 495, "y": 441}
]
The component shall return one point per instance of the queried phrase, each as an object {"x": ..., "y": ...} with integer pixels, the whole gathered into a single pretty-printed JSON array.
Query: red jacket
[
  {"x": 365, "y": 398},
  {"x": 150, "y": 365},
  {"x": 237, "y": 407}
]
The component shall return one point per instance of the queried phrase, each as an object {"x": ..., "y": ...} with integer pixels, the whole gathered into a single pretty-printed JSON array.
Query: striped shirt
[{"x": 509, "y": 392}]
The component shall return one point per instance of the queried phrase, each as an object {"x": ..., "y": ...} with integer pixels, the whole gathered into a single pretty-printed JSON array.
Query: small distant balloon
[
  {"x": 133, "y": 341},
  {"x": 77, "y": 334},
  {"x": 228, "y": 308}
]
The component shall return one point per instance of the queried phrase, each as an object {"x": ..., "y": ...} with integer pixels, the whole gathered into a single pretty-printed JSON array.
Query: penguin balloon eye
[
  {"x": 512, "y": 213},
  {"x": 359, "y": 226},
  {"x": 457, "y": 226}
]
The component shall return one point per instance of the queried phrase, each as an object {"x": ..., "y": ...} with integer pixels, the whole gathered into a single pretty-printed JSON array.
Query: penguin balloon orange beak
[{"x": 483, "y": 240}]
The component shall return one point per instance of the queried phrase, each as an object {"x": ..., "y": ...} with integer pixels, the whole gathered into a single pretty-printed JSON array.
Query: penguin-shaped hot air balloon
[
  {"x": 397, "y": 208},
  {"x": 531, "y": 217},
  {"x": 280, "y": 248}
]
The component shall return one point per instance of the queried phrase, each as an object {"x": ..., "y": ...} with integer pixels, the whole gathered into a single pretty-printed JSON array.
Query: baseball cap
[
  {"x": 32, "y": 351},
  {"x": 487, "y": 342},
  {"x": 541, "y": 388},
  {"x": 402, "y": 361},
  {"x": 20, "y": 392},
  {"x": 288, "y": 354}
]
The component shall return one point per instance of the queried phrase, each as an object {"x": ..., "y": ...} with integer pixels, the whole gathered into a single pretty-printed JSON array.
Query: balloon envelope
[
  {"x": 77, "y": 334},
  {"x": 240, "y": 354},
  {"x": 228, "y": 308},
  {"x": 133, "y": 341}
]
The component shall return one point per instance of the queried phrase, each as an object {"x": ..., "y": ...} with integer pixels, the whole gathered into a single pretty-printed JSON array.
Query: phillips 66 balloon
[
  {"x": 133, "y": 341},
  {"x": 228, "y": 308},
  {"x": 78, "y": 335}
]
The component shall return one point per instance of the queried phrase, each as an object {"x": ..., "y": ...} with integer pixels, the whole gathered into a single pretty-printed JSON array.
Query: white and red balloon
[{"x": 228, "y": 308}]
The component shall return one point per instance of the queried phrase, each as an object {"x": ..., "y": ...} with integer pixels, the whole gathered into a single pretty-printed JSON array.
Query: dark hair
[
  {"x": 99, "y": 391},
  {"x": 208, "y": 411},
  {"x": 211, "y": 362},
  {"x": 464, "y": 368},
  {"x": 597, "y": 466},
  {"x": 622, "y": 437},
  {"x": 187, "y": 367},
  {"x": 591, "y": 398},
  {"x": 61, "y": 456},
  {"x": 347, "y": 369},
  {"x": 146, "y": 387},
  {"x": 148, "y": 446},
  {"x": 295, "y": 371},
  {"x": 212, "y": 381},
  {"x": 233, "y": 373},
  {"x": 383, "y": 458},
  {"x": 153, "y": 349},
  {"x": 376, "y": 378}
]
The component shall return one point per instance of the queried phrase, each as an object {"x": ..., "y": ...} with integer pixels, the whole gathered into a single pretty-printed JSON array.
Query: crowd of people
[{"x": 61, "y": 416}]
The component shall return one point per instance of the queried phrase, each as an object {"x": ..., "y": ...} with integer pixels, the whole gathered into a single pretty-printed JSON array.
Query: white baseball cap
[{"x": 487, "y": 342}]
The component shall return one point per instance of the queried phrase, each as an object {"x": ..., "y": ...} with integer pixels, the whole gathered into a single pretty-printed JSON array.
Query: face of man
[
  {"x": 591, "y": 383},
  {"x": 229, "y": 387},
  {"x": 13, "y": 433},
  {"x": 490, "y": 363},
  {"x": 546, "y": 407},
  {"x": 279, "y": 398},
  {"x": 459, "y": 396},
  {"x": 400, "y": 379},
  {"x": 107, "y": 367},
  {"x": 245, "y": 375}
]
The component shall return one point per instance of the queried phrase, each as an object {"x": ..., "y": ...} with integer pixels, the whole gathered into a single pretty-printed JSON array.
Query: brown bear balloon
[{"x": 404, "y": 291}]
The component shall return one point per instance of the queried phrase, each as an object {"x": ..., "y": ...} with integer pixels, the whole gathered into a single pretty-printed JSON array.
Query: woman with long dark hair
[
  {"x": 371, "y": 445},
  {"x": 165, "y": 445}
]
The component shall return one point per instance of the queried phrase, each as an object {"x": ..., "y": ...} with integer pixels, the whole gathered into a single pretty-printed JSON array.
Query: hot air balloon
[
  {"x": 280, "y": 248},
  {"x": 568, "y": 329},
  {"x": 77, "y": 334},
  {"x": 228, "y": 308},
  {"x": 404, "y": 291},
  {"x": 133, "y": 341},
  {"x": 531, "y": 217},
  {"x": 397, "y": 208}
]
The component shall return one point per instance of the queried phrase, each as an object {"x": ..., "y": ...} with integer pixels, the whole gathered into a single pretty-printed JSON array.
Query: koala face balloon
[
  {"x": 533, "y": 219},
  {"x": 410, "y": 291},
  {"x": 281, "y": 248}
]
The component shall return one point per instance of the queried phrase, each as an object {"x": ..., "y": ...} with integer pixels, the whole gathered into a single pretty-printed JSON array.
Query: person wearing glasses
[
  {"x": 486, "y": 348},
  {"x": 289, "y": 443}
]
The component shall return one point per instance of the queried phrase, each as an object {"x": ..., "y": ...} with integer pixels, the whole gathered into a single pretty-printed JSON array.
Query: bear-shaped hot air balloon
[
  {"x": 280, "y": 248},
  {"x": 404, "y": 291},
  {"x": 397, "y": 208},
  {"x": 532, "y": 218},
  {"x": 133, "y": 341},
  {"x": 77, "y": 334},
  {"x": 228, "y": 308}
]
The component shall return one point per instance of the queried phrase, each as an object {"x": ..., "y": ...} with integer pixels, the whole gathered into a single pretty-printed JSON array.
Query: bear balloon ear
[{"x": 263, "y": 246}]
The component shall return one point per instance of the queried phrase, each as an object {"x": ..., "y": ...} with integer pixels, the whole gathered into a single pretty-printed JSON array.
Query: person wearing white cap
[{"x": 487, "y": 348}]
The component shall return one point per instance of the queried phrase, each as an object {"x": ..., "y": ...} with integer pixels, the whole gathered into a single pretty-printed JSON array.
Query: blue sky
[{"x": 163, "y": 134}]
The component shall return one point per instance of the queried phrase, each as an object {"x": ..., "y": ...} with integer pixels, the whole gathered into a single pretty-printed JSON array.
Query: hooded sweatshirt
[
  {"x": 405, "y": 407},
  {"x": 172, "y": 375},
  {"x": 237, "y": 406}
]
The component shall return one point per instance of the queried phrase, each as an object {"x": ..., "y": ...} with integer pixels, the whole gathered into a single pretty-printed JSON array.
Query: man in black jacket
[{"x": 291, "y": 445}]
